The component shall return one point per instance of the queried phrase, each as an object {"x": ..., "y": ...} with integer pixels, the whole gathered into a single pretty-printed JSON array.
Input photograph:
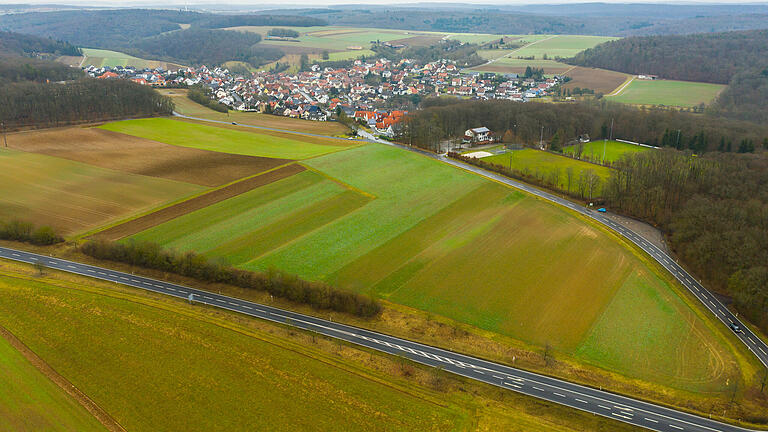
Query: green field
[
  {"x": 422, "y": 239},
  {"x": 544, "y": 164},
  {"x": 667, "y": 92},
  {"x": 29, "y": 401},
  {"x": 204, "y": 137},
  {"x": 613, "y": 150},
  {"x": 107, "y": 58},
  {"x": 74, "y": 197},
  {"x": 139, "y": 359},
  {"x": 561, "y": 46}
]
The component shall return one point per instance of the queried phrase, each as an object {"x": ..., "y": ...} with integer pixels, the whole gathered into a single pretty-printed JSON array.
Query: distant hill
[
  {"x": 212, "y": 47},
  {"x": 22, "y": 44},
  {"x": 186, "y": 37}
]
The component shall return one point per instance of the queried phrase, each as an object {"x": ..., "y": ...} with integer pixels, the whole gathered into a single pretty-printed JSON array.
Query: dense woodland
[
  {"x": 464, "y": 54},
  {"x": 283, "y": 33},
  {"x": 17, "y": 68},
  {"x": 447, "y": 118},
  {"x": 739, "y": 59},
  {"x": 210, "y": 47},
  {"x": 28, "y": 45},
  {"x": 32, "y": 104},
  {"x": 42, "y": 93},
  {"x": 706, "y": 57},
  {"x": 158, "y": 33},
  {"x": 715, "y": 209},
  {"x": 589, "y": 19}
]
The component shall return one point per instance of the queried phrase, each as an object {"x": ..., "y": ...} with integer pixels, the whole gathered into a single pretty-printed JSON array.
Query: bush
[
  {"x": 276, "y": 283},
  {"x": 25, "y": 232}
]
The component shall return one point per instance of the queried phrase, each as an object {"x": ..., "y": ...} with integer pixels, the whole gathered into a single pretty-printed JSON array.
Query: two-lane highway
[{"x": 583, "y": 398}]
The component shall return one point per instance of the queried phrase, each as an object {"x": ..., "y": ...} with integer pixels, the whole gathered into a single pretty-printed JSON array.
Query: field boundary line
[
  {"x": 60, "y": 381},
  {"x": 339, "y": 182},
  {"x": 175, "y": 202}
]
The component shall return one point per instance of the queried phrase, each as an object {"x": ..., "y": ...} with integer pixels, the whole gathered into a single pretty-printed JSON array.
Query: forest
[
  {"x": 283, "y": 33},
  {"x": 16, "y": 68},
  {"x": 601, "y": 19},
  {"x": 464, "y": 54},
  {"x": 42, "y": 93},
  {"x": 28, "y": 45},
  {"x": 448, "y": 118},
  {"x": 739, "y": 59},
  {"x": 157, "y": 33},
  {"x": 714, "y": 209},
  {"x": 197, "y": 46}
]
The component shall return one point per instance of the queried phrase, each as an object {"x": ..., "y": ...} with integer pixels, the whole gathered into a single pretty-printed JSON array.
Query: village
[{"x": 374, "y": 93}]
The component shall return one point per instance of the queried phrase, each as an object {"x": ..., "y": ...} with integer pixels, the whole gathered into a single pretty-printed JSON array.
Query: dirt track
[{"x": 164, "y": 215}]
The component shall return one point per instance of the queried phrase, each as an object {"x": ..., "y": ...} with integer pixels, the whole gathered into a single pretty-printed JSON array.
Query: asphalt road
[{"x": 583, "y": 398}]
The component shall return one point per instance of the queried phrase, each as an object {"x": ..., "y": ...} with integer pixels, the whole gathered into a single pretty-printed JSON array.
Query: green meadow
[
  {"x": 668, "y": 92},
  {"x": 219, "y": 139},
  {"x": 545, "y": 164},
  {"x": 29, "y": 401},
  {"x": 610, "y": 150}
]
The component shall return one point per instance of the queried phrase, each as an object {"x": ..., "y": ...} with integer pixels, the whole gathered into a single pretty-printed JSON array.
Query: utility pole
[
  {"x": 678, "y": 139},
  {"x": 5, "y": 135},
  {"x": 605, "y": 141},
  {"x": 541, "y": 139}
]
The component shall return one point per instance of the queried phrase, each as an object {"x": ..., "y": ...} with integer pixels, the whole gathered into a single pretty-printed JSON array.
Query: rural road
[{"x": 583, "y": 398}]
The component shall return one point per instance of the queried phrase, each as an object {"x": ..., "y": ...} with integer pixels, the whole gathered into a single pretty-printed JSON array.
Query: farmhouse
[{"x": 477, "y": 135}]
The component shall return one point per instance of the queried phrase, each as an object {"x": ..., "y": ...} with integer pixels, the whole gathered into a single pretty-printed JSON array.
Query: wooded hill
[
  {"x": 198, "y": 46},
  {"x": 739, "y": 59},
  {"x": 158, "y": 33},
  {"x": 22, "y": 44}
]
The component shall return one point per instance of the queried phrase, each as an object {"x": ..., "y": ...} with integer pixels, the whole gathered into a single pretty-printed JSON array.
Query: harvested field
[
  {"x": 136, "y": 155},
  {"x": 74, "y": 197},
  {"x": 168, "y": 213},
  {"x": 599, "y": 80}
]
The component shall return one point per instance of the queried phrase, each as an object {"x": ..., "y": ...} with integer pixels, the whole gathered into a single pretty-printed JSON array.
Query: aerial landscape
[{"x": 418, "y": 216}]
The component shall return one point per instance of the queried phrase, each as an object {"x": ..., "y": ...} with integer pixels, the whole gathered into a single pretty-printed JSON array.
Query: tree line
[
  {"x": 714, "y": 209},
  {"x": 316, "y": 294},
  {"x": 446, "y": 118},
  {"x": 202, "y": 96},
  {"x": 464, "y": 54},
  {"x": 26, "y": 232},
  {"x": 283, "y": 33}
]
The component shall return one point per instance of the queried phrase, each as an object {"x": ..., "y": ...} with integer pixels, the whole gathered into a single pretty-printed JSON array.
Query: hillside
[{"x": 739, "y": 59}]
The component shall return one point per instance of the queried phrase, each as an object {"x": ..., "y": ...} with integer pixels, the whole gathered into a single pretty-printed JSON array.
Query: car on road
[
  {"x": 602, "y": 210},
  {"x": 234, "y": 123},
  {"x": 735, "y": 327}
]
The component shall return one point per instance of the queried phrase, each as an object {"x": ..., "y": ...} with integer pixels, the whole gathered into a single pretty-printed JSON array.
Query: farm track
[{"x": 168, "y": 213}]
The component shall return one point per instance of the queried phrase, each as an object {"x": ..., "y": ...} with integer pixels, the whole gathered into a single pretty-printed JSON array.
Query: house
[{"x": 477, "y": 135}]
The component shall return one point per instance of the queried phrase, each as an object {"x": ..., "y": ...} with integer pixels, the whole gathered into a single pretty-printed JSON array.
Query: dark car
[
  {"x": 735, "y": 328},
  {"x": 234, "y": 123}
]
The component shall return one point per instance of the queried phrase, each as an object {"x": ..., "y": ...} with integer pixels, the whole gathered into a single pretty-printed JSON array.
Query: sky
[{"x": 318, "y": 3}]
